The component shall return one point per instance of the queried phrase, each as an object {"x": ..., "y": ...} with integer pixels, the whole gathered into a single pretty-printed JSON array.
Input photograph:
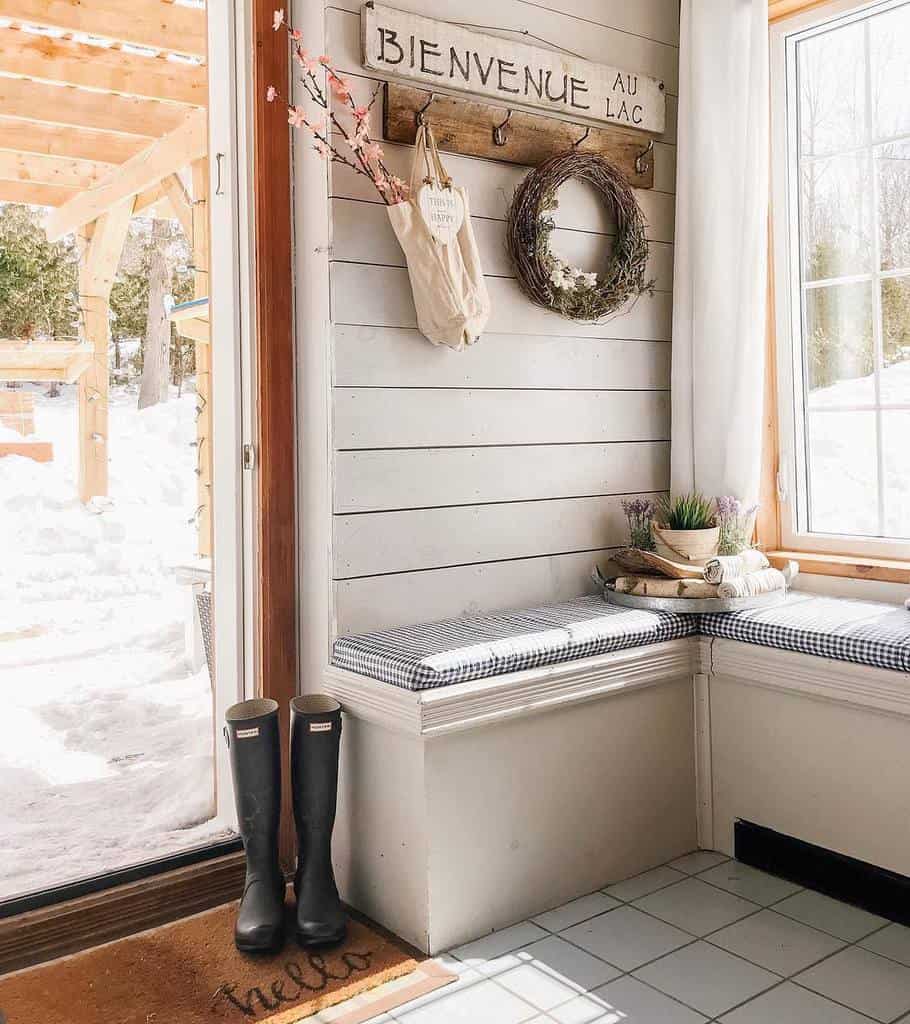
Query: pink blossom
[
  {"x": 305, "y": 60},
  {"x": 296, "y": 35},
  {"x": 360, "y": 113},
  {"x": 400, "y": 186},
  {"x": 271, "y": 94},
  {"x": 360, "y": 137},
  {"x": 372, "y": 151},
  {"x": 296, "y": 117},
  {"x": 381, "y": 184},
  {"x": 278, "y": 19},
  {"x": 321, "y": 148},
  {"x": 325, "y": 61},
  {"x": 339, "y": 86}
]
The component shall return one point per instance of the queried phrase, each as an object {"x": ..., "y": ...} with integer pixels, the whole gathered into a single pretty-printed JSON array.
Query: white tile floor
[{"x": 700, "y": 939}]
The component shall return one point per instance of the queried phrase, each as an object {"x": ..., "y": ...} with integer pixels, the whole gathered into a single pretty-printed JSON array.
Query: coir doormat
[{"x": 189, "y": 972}]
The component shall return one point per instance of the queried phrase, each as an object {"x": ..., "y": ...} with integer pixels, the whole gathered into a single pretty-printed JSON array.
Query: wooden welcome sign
[{"x": 451, "y": 57}]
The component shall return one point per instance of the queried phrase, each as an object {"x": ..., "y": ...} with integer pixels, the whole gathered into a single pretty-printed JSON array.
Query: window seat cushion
[
  {"x": 863, "y": 632},
  {"x": 478, "y": 646}
]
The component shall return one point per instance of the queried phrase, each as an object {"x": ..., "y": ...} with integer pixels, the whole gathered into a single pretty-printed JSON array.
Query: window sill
[{"x": 852, "y": 567}]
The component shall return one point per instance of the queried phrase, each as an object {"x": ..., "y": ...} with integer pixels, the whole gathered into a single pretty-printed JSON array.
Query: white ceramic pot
[{"x": 693, "y": 546}]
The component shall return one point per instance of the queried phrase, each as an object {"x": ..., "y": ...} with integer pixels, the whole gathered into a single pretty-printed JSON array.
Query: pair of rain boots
[{"x": 251, "y": 732}]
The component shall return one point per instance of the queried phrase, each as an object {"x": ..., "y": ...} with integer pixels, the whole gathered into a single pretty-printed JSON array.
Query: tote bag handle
[{"x": 426, "y": 157}]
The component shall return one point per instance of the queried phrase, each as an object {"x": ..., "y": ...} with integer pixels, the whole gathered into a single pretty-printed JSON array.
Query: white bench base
[
  {"x": 810, "y": 747},
  {"x": 468, "y": 808}
]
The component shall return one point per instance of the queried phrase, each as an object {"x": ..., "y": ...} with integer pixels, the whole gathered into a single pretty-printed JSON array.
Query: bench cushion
[
  {"x": 475, "y": 647},
  {"x": 863, "y": 632}
]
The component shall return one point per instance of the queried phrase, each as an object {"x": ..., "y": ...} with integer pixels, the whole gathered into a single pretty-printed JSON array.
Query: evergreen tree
[{"x": 38, "y": 279}]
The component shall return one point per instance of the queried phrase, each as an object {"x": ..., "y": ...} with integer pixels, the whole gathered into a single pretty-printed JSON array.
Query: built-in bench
[{"x": 530, "y": 756}]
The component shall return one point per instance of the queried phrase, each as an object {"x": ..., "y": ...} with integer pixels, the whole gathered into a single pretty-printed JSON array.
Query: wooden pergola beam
[
  {"x": 171, "y": 28},
  {"x": 63, "y": 141},
  {"x": 164, "y": 156},
  {"x": 150, "y": 202},
  {"x": 99, "y": 256},
  {"x": 79, "y": 108},
  {"x": 51, "y": 170},
  {"x": 35, "y": 195},
  {"x": 195, "y": 330},
  {"x": 173, "y": 188},
  {"x": 65, "y": 62}
]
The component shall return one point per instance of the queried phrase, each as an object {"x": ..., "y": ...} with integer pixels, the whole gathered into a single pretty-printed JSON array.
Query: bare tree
[{"x": 153, "y": 385}]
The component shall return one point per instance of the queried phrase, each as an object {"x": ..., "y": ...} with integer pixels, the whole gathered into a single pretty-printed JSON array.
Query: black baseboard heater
[{"x": 875, "y": 889}]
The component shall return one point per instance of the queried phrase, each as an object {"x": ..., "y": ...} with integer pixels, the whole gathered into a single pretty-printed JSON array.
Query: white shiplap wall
[{"x": 492, "y": 477}]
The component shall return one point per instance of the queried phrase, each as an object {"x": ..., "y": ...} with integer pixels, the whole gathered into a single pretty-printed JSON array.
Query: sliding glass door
[{"x": 125, "y": 511}]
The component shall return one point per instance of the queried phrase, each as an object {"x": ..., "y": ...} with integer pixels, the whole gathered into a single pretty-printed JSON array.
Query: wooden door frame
[{"x": 275, "y": 389}]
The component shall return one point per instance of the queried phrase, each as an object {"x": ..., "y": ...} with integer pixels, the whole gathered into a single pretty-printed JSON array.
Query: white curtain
[{"x": 720, "y": 262}]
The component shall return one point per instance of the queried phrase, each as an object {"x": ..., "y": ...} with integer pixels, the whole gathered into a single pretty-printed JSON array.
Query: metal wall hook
[
  {"x": 578, "y": 142},
  {"x": 420, "y": 119},
  {"x": 500, "y": 136},
  {"x": 642, "y": 161}
]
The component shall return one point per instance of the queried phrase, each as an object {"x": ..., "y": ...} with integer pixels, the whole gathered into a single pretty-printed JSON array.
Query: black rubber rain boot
[
  {"x": 252, "y": 737},
  {"x": 315, "y": 742}
]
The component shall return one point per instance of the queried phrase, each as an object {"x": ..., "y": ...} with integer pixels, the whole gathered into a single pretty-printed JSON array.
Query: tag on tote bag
[{"x": 442, "y": 211}]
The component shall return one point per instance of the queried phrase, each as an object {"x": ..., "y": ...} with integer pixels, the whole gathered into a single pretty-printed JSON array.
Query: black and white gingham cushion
[
  {"x": 858, "y": 631},
  {"x": 456, "y": 650}
]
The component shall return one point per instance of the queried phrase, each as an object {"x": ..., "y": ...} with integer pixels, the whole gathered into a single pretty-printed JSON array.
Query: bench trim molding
[
  {"x": 481, "y": 702},
  {"x": 842, "y": 682},
  {"x": 486, "y": 701}
]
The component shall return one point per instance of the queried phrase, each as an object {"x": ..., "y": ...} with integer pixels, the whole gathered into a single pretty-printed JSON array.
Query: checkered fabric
[
  {"x": 857, "y": 631},
  {"x": 456, "y": 650}
]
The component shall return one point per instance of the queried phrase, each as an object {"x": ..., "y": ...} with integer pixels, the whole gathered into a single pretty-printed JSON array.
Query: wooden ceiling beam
[
  {"x": 74, "y": 143},
  {"x": 164, "y": 156},
  {"x": 65, "y": 62},
  {"x": 171, "y": 28},
  {"x": 79, "y": 108},
  {"x": 51, "y": 170},
  {"x": 35, "y": 195}
]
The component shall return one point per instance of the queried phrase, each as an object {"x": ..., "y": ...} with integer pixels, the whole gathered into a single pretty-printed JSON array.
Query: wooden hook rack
[{"x": 483, "y": 129}]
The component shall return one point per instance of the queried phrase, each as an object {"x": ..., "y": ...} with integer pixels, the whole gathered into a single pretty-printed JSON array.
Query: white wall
[{"x": 468, "y": 481}]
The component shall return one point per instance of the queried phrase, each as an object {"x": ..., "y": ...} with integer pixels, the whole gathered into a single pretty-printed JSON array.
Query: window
[{"x": 841, "y": 209}]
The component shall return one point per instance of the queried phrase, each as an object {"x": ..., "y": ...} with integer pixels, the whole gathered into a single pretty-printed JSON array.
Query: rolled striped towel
[
  {"x": 765, "y": 581},
  {"x": 730, "y": 567}
]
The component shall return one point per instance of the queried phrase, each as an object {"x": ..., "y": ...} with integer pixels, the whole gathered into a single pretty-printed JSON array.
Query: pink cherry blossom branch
[{"x": 367, "y": 154}]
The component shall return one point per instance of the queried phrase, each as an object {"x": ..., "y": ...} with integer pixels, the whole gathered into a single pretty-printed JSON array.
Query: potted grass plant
[{"x": 685, "y": 528}]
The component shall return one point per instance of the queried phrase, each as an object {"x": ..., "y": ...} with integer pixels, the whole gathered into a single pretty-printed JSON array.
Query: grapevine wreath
[{"x": 546, "y": 279}]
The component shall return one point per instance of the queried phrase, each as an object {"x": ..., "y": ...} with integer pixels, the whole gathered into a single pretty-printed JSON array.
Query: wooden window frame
[
  {"x": 66, "y": 927},
  {"x": 827, "y": 558}
]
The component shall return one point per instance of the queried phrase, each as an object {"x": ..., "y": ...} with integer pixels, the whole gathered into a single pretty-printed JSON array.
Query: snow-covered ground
[
  {"x": 107, "y": 752},
  {"x": 842, "y": 454}
]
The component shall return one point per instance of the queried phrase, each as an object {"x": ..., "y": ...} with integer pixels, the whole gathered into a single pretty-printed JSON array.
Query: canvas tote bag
[{"x": 450, "y": 294}]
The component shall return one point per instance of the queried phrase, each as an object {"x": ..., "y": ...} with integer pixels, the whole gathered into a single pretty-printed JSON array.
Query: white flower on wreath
[
  {"x": 589, "y": 279},
  {"x": 561, "y": 279}
]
